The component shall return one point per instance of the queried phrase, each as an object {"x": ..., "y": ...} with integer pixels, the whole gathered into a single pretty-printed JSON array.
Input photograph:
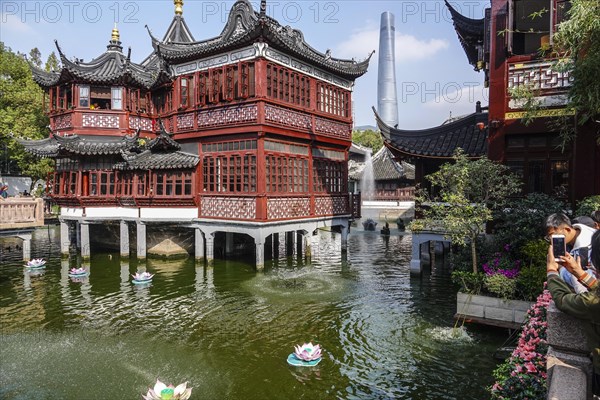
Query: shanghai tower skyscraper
[{"x": 387, "y": 98}]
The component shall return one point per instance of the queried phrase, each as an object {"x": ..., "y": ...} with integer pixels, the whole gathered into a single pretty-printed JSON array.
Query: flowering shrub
[
  {"x": 502, "y": 264},
  {"x": 506, "y": 277},
  {"x": 523, "y": 375}
]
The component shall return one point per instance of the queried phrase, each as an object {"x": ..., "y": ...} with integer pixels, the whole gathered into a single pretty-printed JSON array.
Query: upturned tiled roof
[
  {"x": 178, "y": 32},
  {"x": 110, "y": 68},
  {"x": 158, "y": 153},
  {"x": 440, "y": 141},
  {"x": 246, "y": 26},
  {"x": 86, "y": 145},
  {"x": 150, "y": 160},
  {"x": 384, "y": 168},
  {"x": 470, "y": 33},
  {"x": 45, "y": 148},
  {"x": 163, "y": 141}
]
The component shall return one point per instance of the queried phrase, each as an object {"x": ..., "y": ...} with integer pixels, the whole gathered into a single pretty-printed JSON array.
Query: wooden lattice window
[
  {"x": 333, "y": 100},
  {"x": 173, "y": 184},
  {"x": 286, "y": 85},
  {"x": 329, "y": 176},
  {"x": 102, "y": 183},
  {"x": 230, "y": 173},
  {"x": 203, "y": 88},
  {"x": 285, "y": 174},
  {"x": 163, "y": 101},
  {"x": 228, "y": 84},
  {"x": 186, "y": 91},
  {"x": 216, "y": 76},
  {"x": 126, "y": 184},
  {"x": 530, "y": 25}
]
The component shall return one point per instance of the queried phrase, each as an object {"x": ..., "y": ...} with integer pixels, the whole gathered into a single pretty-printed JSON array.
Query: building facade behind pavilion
[
  {"x": 245, "y": 133},
  {"x": 513, "y": 50}
]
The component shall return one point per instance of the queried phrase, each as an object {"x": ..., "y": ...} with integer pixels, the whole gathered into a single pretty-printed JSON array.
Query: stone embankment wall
[{"x": 569, "y": 365}]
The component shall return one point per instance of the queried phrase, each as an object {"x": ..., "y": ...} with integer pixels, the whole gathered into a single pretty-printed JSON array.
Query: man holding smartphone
[
  {"x": 576, "y": 237},
  {"x": 585, "y": 306}
]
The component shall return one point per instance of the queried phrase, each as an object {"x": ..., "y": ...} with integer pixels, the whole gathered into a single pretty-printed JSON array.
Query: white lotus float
[
  {"x": 142, "y": 277},
  {"x": 164, "y": 392},
  {"x": 36, "y": 263},
  {"x": 77, "y": 272},
  {"x": 307, "y": 355}
]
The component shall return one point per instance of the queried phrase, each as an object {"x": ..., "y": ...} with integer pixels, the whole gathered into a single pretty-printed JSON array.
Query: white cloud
[
  {"x": 11, "y": 23},
  {"x": 408, "y": 47},
  {"x": 457, "y": 99}
]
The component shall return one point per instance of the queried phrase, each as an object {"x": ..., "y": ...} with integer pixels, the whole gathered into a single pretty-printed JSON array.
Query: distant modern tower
[{"x": 387, "y": 98}]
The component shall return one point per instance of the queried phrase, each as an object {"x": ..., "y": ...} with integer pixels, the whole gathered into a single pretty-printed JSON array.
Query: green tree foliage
[
  {"x": 35, "y": 57},
  {"x": 463, "y": 198},
  {"x": 52, "y": 63},
  {"x": 21, "y": 112},
  {"x": 368, "y": 138},
  {"x": 523, "y": 219},
  {"x": 579, "y": 37},
  {"x": 587, "y": 206}
]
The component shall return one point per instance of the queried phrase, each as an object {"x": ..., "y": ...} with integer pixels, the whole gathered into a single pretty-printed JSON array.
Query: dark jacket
[{"x": 585, "y": 306}]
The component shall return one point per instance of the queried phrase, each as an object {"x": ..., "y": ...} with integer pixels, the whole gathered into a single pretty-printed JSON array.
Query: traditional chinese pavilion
[
  {"x": 514, "y": 51},
  {"x": 246, "y": 133}
]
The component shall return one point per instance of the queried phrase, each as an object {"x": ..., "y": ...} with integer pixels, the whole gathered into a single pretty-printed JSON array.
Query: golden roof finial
[
  {"x": 178, "y": 7},
  {"x": 115, "y": 34}
]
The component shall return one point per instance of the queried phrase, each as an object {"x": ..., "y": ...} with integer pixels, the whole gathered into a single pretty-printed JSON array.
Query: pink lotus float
[
  {"x": 36, "y": 263},
  {"x": 143, "y": 277},
  {"x": 77, "y": 272},
  {"x": 307, "y": 355},
  {"x": 164, "y": 392}
]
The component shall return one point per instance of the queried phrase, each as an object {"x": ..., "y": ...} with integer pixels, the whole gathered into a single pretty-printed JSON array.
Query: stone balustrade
[
  {"x": 16, "y": 213},
  {"x": 569, "y": 365}
]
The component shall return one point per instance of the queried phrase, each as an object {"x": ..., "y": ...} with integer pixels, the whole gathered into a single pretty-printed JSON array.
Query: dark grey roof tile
[{"x": 440, "y": 141}]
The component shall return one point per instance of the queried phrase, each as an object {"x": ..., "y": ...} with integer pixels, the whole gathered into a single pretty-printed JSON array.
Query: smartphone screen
[{"x": 558, "y": 246}]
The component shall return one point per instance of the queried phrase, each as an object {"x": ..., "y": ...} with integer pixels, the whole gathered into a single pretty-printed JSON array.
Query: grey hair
[{"x": 554, "y": 221}]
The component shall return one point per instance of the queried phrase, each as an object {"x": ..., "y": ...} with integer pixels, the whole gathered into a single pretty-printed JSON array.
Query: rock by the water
[{"x": 168, "y": 248}]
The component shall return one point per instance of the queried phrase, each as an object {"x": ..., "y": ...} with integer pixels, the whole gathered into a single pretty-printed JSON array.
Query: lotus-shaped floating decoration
[
  {"x": 77, "y": 272},
  {"x": 307, "y": 355},
  {"x": 164, "y": 392},
  {"x": 143, "y": 277},
  {"x": 36, "y": 263}
]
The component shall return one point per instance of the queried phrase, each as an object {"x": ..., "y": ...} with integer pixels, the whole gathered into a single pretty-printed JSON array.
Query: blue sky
[{"x": 433, "y": 76}]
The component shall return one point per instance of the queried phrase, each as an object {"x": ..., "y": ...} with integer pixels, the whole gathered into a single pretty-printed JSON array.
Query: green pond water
[{"x": 228, "y": 330}]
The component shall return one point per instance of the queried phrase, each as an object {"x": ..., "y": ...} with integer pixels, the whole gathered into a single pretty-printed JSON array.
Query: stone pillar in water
[
  {"x": 78, "y": 235},
  {"x": 141, "y": 240},
  {"x": 289, "y": 244},
  {"x": 260, "y": 256},
  {"x": 199, "y": 244},
  {"x": 275, "y": 246},
  {"x": 344, "y": 239},
  {"x": 299, "y": 244},
  {"x": 210, "y": 248},
  {"x": 307, "y": 247},
  {"x": 124, "y": 238},
  {"x": 65, "y": 239},
  {"x": 26, "y": 237},
  {"x": 228, "y": 244},
  {"x": 84, "y": 230}
]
